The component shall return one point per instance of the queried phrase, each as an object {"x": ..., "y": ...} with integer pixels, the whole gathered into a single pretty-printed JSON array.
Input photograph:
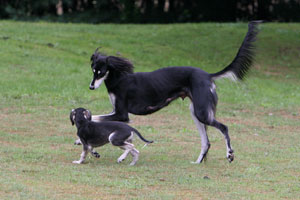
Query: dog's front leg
[
  {"x": 122, "y": 117},
  {"x": 83, "y": 156},
  {"x": 99, "y": 118},
  {"x": 78, "y": 142},
  {"x": 119, "y": 114}
]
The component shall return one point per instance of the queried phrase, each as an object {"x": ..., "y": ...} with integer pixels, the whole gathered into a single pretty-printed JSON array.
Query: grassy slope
[{"x": 45, "y": 73}]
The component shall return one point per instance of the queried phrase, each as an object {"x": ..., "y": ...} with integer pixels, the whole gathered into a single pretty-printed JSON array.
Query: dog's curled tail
[
  {"x": 244, "y": 58},
  {"x": 141, "y": 137}
]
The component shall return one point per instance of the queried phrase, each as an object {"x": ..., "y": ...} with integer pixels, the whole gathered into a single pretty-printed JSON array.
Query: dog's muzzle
[{"x": 97, "y": 82}]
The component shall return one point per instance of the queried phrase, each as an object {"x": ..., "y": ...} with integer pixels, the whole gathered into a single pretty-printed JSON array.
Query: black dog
[
  {"x": 95, "y": 134},
  {"x": 146, "y": 92}
]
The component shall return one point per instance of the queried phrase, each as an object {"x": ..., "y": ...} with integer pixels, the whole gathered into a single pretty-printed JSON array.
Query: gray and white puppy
[{"x": 96, "y": 134}]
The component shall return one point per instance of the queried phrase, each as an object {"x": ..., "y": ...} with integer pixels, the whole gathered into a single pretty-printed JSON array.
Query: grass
[{"x": 45, "y": 73}]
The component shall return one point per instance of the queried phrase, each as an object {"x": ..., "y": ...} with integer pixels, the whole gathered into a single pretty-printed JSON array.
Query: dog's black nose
[{"x": 92, "y": 87}]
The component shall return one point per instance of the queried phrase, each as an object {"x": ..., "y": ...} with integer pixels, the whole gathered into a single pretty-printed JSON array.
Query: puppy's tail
[
  {"x": 244, "y": 58},
  {"x": 141, "y": 137}
]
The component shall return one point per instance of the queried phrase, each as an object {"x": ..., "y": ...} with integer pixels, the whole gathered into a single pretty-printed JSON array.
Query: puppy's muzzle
[{"x": 92, "y": 87}]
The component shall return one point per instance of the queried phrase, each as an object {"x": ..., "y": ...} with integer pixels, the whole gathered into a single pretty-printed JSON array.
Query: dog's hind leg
[
  {"x": 128, "y": 148},
  {"x": 135, "y": 156},
  {"x": 205, "y": 144},
  {"x": 224, "y": 130},
  {"x": 126, "y": 145}
]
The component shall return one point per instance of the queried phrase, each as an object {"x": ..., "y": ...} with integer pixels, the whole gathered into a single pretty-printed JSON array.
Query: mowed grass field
[{"x": 45, "y": 72}]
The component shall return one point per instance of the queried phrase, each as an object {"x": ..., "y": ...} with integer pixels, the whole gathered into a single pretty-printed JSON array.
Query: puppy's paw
[
  {"x": 96, "y": 155},
  {"x": 76, "y": 162},
  {"x": 132, "y": 163},
  {"x": 120, "y": 160}
]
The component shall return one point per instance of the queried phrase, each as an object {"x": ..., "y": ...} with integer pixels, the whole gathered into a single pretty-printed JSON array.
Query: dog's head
[
  {"x": 102, "y": 65},
  {"x": 100, "y": 69},
  {"x": 80, "y": 113}
]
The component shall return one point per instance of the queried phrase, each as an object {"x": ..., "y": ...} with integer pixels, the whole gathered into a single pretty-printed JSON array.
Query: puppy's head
[
  {"x": 100, "y": 69},
  {"x": 80, "y": 113},
  {"x": 72, "y": 116}
]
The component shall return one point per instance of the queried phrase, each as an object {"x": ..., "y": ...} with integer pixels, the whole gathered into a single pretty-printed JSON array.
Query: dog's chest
[{"x": 112, "y": 98}]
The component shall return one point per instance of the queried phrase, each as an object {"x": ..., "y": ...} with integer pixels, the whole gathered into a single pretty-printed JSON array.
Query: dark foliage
[{"x": 150, "y": 11}]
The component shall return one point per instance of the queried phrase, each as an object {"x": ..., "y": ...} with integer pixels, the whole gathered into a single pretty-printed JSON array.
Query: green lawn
[{"x": 45, "y": 72}]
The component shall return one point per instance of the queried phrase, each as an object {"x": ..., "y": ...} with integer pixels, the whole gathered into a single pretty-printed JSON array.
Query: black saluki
[{"x": 144, "y": 93}]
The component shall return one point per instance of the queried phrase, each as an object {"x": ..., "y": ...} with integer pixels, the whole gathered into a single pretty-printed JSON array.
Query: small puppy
[{"x": 95, "y": 134}]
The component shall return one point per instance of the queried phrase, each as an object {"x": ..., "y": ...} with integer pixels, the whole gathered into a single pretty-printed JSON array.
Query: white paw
[
  {"x": 132, "y": 163},
  {"x": 120, "y": 159},
  {"x": 77, "y": 142},
  {"x": 77, "y": 162},
  {"x": 195, "y": 162}
]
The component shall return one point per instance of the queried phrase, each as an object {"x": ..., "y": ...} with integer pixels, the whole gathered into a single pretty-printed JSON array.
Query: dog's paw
[
  {"x": 76, "y": 162},
  {"x": 230, "y": 156},
  {"x": 78, "y": 142},
  {"x": 132, "y": 163},
  {"x": 120, "y": 160},
  {"x": 96, "y": 155}
]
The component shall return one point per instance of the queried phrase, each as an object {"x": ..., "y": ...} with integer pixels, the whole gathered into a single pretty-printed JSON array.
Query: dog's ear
[
  {"x": 119, "y": 64},
  {"x": 87, "y": 114},
  {"x": 95, "y": 54},
  {"x": 72, "y": 117}
]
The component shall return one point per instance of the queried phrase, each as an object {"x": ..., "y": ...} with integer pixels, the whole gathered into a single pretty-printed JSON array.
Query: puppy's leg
[
  {"x": 121, "y": 140},
  {"x": 127, "y": 147},
  {"x": 205, "y": 144},
  {"x": 83, "y": 156},
  {"x": 135, "y": 156},
  {"x": 94, "y": 153}
]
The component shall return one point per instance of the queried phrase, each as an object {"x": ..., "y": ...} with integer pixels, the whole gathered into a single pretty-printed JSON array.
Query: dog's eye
[
  {"x": 94, "y": 70},
  {"x": 99, "y": 72}
]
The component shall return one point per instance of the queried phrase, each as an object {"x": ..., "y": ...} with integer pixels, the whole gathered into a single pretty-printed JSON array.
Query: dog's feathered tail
[{"x": 244, "y": 58}]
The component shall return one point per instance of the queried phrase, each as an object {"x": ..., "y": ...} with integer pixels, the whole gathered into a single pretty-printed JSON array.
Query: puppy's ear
[
  {"x": 92, "y": 57},
  {"x": 88, "y": 115},
  {"x": 107, "y": 63},
  {"x": 72, "y": 117}
]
